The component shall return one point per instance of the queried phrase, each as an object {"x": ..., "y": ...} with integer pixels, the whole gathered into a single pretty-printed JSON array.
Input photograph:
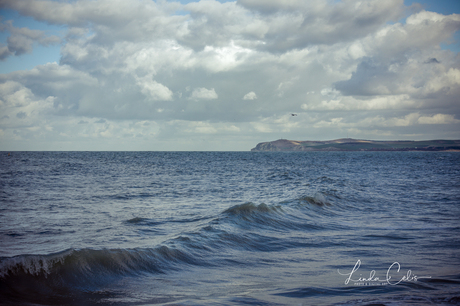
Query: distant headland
[{"x": 350, "y": 144}]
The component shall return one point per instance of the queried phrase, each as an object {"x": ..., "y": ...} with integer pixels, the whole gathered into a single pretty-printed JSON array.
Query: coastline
[{"x": 350, "y": 144}]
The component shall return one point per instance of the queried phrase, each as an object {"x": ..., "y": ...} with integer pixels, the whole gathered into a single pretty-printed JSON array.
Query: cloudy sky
[{"x": 225, "y": 75}]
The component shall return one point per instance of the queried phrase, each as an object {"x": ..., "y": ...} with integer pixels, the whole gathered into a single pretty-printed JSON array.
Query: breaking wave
[{"x": 58, "y": 277}]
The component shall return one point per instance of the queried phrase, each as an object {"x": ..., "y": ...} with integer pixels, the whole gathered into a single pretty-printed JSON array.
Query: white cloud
[
  {"x": 250, "y": 96},
  {"x": 378, "y": 121},
  {"x": 438, "y": 119},
  {"x": 201, "y": 128},
  {"x": 385, "y": 102},
  {"x": 22, "y": 112},
  {"x": 203, "y": 94},
  {"x": 154, "y": 90}
]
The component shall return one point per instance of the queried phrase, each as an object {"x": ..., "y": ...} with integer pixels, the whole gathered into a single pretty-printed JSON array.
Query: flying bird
[{"x": 293, "y": 114}]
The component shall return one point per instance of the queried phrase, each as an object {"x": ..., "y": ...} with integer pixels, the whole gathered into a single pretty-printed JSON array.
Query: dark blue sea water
[{"x": 230, "y": 228}]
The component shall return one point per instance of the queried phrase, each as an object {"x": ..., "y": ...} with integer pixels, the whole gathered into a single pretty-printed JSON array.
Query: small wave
[
  {"x": 389, "y": 236},
  {"x": 250, "y": 215},
  {"x": 15, "y": 234},
  {"x": 251, "y": 208},
  {"x": 136, "y": 220},
  {"x": 338, "y": 291},
  {"x": 319, "y": 199},
  {"x": 443, "y": 281},
  {"x": 269, "y": 217},
  {"x": 147, "y": 221}
]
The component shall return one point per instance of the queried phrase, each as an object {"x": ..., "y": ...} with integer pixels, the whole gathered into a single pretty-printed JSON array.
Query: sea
[{"x": 230, "y": 228}]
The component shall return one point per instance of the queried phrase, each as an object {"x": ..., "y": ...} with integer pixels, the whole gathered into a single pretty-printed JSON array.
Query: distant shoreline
[{"x": 350, "y": 144}]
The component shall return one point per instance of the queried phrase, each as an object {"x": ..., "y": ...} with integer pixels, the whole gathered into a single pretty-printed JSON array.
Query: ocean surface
[{"x": 230, "y": 228}]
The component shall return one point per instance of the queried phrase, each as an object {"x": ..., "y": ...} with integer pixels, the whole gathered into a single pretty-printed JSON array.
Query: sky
[{"x": 136, "y": 75}]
